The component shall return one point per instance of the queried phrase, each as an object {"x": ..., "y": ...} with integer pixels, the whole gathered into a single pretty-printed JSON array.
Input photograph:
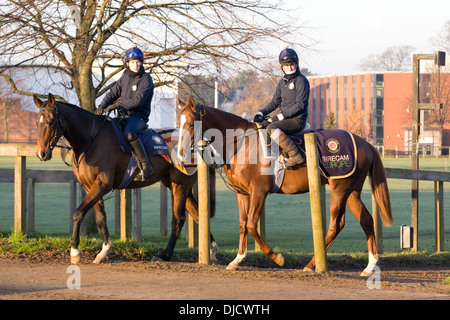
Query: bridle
[
  {"x": 60, "y": 126},
  {"x": 57, "y": 125},
  {"x": 199, "y": 114}
]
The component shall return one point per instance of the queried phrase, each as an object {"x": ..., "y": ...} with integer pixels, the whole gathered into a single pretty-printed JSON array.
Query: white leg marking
[
  {"x": 104, "y": 253},
  {"x": 213, "y": 251},
  {"x": 75, "y": 256},
  {"x": 235, "y": 263},
  {"x": 372, "y": 263},
  {"x": 74, "y": 252}
]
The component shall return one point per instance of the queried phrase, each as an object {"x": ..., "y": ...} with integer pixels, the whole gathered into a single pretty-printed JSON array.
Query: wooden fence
[
  {"x": 128, "y": 214},
  {"x": 127, "y": 202}
]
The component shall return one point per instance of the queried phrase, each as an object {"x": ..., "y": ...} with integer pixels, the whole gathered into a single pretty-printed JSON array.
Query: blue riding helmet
[
  {"x": 288, "y": 55},
  {"x": 134, "y": 53}
]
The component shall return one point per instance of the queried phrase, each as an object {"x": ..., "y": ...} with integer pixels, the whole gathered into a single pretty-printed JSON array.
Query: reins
[
  {"x": 219, "y": 169},
  {"x": 71, "y": 148}
]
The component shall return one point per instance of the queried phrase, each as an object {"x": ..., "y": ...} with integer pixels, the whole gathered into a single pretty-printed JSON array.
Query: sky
[{"x": 347, "y": 31}]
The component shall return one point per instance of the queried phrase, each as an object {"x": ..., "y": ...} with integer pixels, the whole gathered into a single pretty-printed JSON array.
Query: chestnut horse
[
  {"x": 252, "y": 186},
  {"x": 99, "y": 164}
]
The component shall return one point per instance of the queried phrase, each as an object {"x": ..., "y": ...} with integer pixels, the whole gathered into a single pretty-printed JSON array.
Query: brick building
[
  {"x": 376, "y": 106},
  {"x": 21, "y": 127}
]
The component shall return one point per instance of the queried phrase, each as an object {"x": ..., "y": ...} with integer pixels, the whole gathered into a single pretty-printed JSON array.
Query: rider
[
  {"x": 291, "y": 96},
  {"x": 131, "y": 95}
]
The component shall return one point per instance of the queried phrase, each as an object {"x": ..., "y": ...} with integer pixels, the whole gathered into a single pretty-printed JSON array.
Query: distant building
[{"x": 375, "y": 105}]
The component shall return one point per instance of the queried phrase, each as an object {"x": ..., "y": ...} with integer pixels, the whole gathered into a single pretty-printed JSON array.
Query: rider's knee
[{"x": 131, "y": 136}]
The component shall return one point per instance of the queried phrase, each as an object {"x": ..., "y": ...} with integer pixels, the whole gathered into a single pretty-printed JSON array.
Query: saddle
[{"x": 160, "y": 142}]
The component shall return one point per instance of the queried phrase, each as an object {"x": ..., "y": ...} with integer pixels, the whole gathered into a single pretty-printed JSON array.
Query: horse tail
[{"x": 379, "y": 187}]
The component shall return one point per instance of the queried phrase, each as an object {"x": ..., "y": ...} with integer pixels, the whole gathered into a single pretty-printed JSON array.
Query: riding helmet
[
  {"x": 288, "y": 55},
  {"x": 134, "y": 53}
]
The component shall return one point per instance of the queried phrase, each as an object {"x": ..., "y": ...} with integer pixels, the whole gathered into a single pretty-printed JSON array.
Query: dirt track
[{"x": 27, "y": 279}]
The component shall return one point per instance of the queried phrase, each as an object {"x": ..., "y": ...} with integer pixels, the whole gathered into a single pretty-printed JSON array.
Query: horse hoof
[
  {"x": 75, "y": 259},
  {"x": 365, "y": 274},
  {"x": 307, "y": 269},
  {"x": 232, "y": 266},
  {"x": 99, "y": 260},
  {"x": 279, "y": 259}
]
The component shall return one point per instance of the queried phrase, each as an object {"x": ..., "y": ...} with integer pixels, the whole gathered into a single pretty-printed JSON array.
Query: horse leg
[
  {"x": 75, "y": 253},
  {"x": 178, "y": 218},
  {"x": 243, "y": 203},
  {"x": 256, "y": 206},
  {"x": 92, "y": 196},
  {"x": 100, "y": 218},
  {"x": 361, "y": 213},
  {"x": 337, "y": 222},
  {"x": 192, "y": 208}
]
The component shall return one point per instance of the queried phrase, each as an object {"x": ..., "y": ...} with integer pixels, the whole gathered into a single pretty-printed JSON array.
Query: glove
[
  {"x": 99, "y": 110},
  {"x": 259, "y": 117},
  {"x": 276, "y": 118}
]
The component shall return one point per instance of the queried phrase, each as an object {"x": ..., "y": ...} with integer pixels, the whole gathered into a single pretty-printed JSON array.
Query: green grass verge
[{"x": 59, "y": 244}]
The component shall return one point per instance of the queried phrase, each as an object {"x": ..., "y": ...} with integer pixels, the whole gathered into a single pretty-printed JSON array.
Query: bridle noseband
[{"x": 57, "y": 126}]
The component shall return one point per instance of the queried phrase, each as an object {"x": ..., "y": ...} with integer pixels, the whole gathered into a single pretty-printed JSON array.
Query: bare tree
[
  {"x": 74, "y": 38},
  {"x": 396, "y": 58},
  {"x": 442, "y": 40}
]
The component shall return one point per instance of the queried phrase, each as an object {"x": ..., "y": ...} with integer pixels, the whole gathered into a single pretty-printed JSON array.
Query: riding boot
[
  {"x": 142, "y": 159},
  {"x": 286, "y": 144}
]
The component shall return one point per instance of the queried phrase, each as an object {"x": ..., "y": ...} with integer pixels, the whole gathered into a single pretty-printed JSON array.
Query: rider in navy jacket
[
  {"x": 291, "y": 97},
  {"x": 136, "y": 92},
  {"x": 131, "y": 95}
]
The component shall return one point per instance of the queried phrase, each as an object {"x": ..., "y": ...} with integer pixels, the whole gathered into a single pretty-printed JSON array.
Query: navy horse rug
[
  {"x": 336, "y": 150},
  {"x": 159, "y": 142}
]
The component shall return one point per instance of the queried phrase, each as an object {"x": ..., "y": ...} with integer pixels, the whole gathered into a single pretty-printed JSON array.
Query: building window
[{"x": 377, "y": 114}]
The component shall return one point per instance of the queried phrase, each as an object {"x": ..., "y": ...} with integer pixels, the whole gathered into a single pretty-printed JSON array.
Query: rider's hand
[
  {"x": 99, "y": 110},
  {"x": 111, "y": 107},
  {"x": 259, "y": 117},
  {"x": 276, "y": 118}
]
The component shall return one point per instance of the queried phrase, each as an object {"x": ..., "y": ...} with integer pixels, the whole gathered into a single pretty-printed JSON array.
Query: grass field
[{"x": 288, "y": 218}]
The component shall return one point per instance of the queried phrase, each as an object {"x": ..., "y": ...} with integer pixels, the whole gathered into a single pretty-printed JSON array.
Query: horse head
[
  {"x": 186, "y": 121},
  {"x": 49, "y": 127}
]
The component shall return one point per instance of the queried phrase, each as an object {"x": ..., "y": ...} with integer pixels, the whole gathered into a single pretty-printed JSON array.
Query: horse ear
[
  {"x": 37, "y": 101},
  {"x": 51, "y": 100},
  {"x": 192, "y": 103},
  {"x": 180, "y": 104}
]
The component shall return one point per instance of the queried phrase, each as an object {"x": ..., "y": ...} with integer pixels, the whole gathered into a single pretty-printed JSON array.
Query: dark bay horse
[
  {"x": 99, "y": 164},
  {"x": 252, "y": 186}
]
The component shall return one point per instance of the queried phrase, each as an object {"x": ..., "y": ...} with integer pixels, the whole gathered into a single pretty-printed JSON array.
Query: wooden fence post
[
  {"x": 203, "y": 208},
  {"x": 316, "y": 203},
  {"x": 20, "y": 194},
  {"x": 439, "y": 214},
  {"x": 125, "y": 215}
]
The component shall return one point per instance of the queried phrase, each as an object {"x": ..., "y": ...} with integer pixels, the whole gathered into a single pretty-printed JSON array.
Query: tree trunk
[{"x": 83, "y": 84}]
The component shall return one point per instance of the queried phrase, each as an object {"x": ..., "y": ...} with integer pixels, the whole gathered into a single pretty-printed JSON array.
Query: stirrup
[{"x": 141, "y": 174}]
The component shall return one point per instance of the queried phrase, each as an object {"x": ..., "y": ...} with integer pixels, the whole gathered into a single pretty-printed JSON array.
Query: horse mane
[
  {"x": 75, "y": 107},
  {"x": 225, "y": 115},
  {"x": 78, "y": 109}
]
